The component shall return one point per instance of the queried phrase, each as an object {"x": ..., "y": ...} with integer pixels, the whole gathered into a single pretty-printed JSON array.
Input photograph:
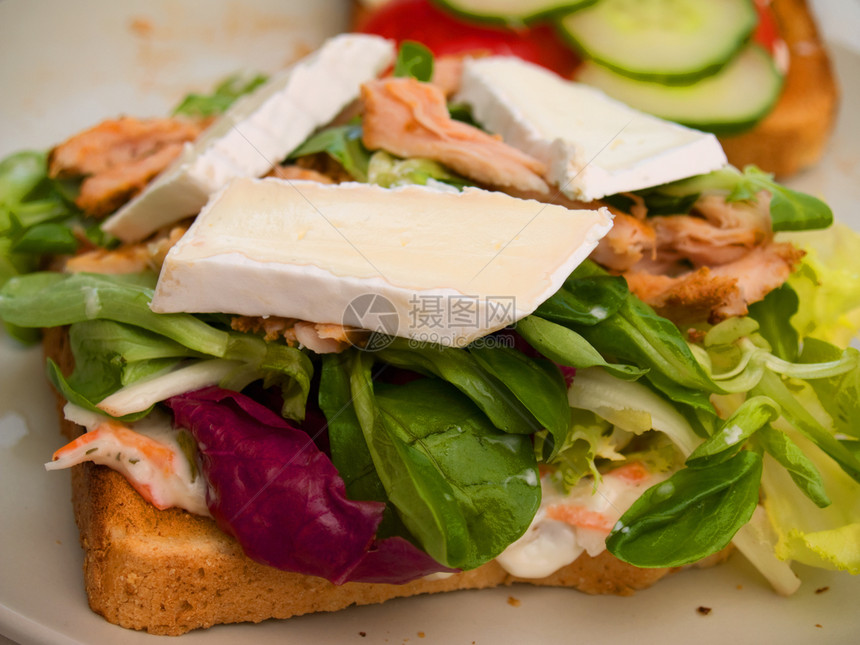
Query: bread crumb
[
  {"x": 740, "y": 587},
  {"x": 514, "y": 602},
  {"x": 362, "y": 634},
  {"x": 818, "y": 625},
  {"x": 704, "y": 610},
  {"x": 822, "y": 589},
  {"x": 420, "y": 634}
]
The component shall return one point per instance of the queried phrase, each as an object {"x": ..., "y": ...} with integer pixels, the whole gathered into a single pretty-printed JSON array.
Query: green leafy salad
[{"x": 744, "y": 430}]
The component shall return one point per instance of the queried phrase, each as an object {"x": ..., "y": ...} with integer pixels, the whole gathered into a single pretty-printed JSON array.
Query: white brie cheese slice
[
  {"x": 256, "y": 132},
  {"x": 593, "y": 145},
  {"x": 414, "y": 262}
]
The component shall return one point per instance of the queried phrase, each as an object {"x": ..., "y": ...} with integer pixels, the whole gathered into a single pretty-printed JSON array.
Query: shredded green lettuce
[{"x": 389, "y": 172}]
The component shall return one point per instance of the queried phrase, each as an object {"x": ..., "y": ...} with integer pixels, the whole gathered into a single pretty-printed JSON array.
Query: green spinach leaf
[
  {"x": 341, "y": 143},
  {"x": 753, "y": 414},
  {"x": 349, "y": 451},
  {"x": 414, "y": 60},
  {"x": 462, "y": 370},
  {"x": 691, "y": 515},
  {"x": 773, "y": 315},
  {"x": 537, "y": 384},
  {"x": 464, "y": 489},
  {"x": 566, "y": 347},
  {"x": 585, "y": 298},
  {"x": 801, "y": 468}
]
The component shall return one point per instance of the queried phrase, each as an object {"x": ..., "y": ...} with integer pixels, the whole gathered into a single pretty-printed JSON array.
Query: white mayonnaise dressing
[{"x": 551, "y": 543}]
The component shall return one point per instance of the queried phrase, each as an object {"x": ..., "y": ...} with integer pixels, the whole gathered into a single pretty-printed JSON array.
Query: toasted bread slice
[
  {"x": 169, "y": 572},
  {"x": 794, "y": 135}
]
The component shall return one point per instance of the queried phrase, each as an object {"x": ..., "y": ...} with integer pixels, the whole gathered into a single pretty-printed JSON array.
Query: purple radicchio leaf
[
  {"x": 271, "y": 488},
  {"x": 395, "y": 560}
]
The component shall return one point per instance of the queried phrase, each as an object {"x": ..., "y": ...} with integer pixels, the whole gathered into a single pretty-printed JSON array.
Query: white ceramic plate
[{"x": 65, "y": 66}]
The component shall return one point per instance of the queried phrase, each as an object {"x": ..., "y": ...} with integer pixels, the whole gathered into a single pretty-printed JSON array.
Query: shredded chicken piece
[
  {"x": 753, "y": 215},
  {"x": 133, "y": 258},
  {"x": 272, "y": 327},
  {"x": 410, "y": 119},
  {"x": 759, "y": 272},
  {"x": 718, "y": 292},
  {"x": 118, "y": 157},
  {"x": 638, "y": 209},
  {"x": 695, "y": 239},
  {"x": 690, "y": 297},
  {"x": 627, "y": 242},
  {"x": 129, "y": 258},
  {"x": 333, "y": 331},
  {"x": 322, "y": 338},
  {"x": 297, "y": 172},
  {"x": 708, "y": 265}
]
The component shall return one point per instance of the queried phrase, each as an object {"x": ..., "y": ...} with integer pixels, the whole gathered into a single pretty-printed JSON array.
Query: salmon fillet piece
[
  {"x": 410, "y": 119},
  {"x": 118, "y": 157}
]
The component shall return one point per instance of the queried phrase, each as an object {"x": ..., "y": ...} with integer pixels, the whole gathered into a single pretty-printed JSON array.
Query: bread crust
[
  {"x": 794, "y": 135},
  {"x": 169, "y": 572}
]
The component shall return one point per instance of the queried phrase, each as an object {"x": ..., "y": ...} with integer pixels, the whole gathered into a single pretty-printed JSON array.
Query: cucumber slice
[
  {"x": 728, "y": 102},
  {"x": 671, "y": 41},
  {"x": 511, "y": 12}
]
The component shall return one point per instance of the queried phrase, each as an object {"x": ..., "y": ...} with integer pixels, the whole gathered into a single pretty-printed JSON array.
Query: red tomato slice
[
  {"x": 766, "y": 33},
  {"x": 443, "y": 34}
]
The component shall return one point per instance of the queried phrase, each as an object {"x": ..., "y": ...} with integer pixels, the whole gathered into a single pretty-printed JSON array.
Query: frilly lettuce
[
  {"x": 828, "y": 284},
  {"x": 631, "y": 406},
  {"x": 822, "y": 537}
]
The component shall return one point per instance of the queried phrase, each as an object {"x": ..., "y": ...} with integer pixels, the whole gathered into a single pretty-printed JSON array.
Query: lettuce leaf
[
  {"x": 828, "y": 284},
  {"x": 820, "y": 537},
  {"x": 389, "y": 171},
  {"x": 48, "y": 299}
]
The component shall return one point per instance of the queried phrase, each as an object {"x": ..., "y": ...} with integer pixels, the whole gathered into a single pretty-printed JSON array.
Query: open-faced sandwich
[{"x": 363, "y": 334}]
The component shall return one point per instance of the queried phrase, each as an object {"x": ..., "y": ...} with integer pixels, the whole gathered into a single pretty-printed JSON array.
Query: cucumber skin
[
  {"x": 563, "y": 8},
  {"x": 728, "y": 128},
  {"x": 665, "y": 79}
]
